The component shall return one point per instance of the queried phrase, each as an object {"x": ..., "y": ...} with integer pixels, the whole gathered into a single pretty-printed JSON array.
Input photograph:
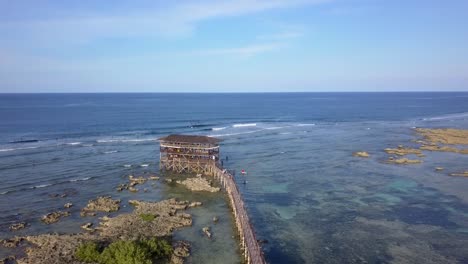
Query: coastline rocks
[
  {"x": 8, "y": 260},
  {"x": 460, "y": 174},
  {"x": 136, "y": 180},
  {"x": 403, "y": 161},
  {"x": 168, "y": 180},
  {"x": 361, "y": 154},
  {"x": 54, "y": 248},
  {"x": 54, "y": 217},
  {"x": 153, "y": 178},
  {"x": 18, "y": 226},
  {"x": 199, "y": 184},
  {"x": 132, "y": 189},
  {"x": 11, "y": 242},
  {"x": 206, "y": 231},
  {"x": 103, "y": 204}
]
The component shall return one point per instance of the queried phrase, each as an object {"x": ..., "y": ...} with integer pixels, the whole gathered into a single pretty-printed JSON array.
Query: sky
[{"x": 233, "y": 46}]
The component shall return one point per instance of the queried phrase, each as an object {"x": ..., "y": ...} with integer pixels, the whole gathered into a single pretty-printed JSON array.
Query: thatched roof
[{"x": 190, "y": 139}]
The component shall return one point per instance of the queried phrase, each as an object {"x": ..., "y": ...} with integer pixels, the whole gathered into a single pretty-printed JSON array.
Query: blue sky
[{"x": 233, "y": 46}]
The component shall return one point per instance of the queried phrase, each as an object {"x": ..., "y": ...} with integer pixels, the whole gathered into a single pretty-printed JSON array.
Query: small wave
[
  {"x": 124, "y": 140},
  {"x": 234, "y": 134},
  {"x": 41, "y": 186},
  {"x": 447, "y": 117},
  {"x": 111, "y": 151},
  {"x": 285, "y": 133},
  {"x": 302, "y": 125},
  {"x": 81, "y": 179},
  {"x": 144, "y": 165},
  {"x": 274, "y": 128},
  {"x": 127, "y": 166},
  {"x": 218, "y": 128},
  {"x": 245, "y": 125},
  {"x": 5, "y": 192},
  {"x": 13, "y": 149},
  {"x": 74, "y": 143}
]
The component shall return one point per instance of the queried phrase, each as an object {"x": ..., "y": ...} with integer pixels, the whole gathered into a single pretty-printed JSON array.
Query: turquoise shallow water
[{"x": 306, "y": 194}]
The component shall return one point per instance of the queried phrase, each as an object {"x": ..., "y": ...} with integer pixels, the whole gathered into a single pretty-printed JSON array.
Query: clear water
[{"x": 305, "y": 193}]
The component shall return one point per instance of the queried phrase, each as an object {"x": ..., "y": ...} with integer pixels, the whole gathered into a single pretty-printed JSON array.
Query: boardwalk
[{"x": 249, "y": 244}]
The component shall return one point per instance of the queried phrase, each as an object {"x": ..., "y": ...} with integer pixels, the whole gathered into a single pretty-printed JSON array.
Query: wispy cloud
[
  {"x": 178, "y": 19},
  {"x": 244, "y": 51}
]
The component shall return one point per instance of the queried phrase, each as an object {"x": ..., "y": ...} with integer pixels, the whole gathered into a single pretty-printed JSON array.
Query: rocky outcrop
[
  {"x": 88, "y": 227},
  {"x": 206, "y": 231},
  {"x": 58, "y": 249},
  {"x": 67, "y": 205},
  {"x": 54, "y": 217},
  {"x": 361, "y": 154},
  {"x": 18, "y": 226},
  {"x": 199, "y": 184},
  {"x": 181, "y": 251},
  {"x": 103, "y": 204},
  {"x": 11, "y": 242},
  {"x": 131, "y": 226},
  {"x": 443, "y": 149}
]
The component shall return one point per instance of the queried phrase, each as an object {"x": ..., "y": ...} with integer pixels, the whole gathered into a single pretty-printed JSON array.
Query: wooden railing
[{"x": 249, "y": 244}]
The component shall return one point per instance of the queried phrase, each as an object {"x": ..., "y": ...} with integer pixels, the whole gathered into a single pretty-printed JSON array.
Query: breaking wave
[{"x": 245, "y": 125}]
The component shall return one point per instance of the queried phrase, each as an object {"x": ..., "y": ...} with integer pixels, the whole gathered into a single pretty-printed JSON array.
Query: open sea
[{"x": 307, "y": 196}]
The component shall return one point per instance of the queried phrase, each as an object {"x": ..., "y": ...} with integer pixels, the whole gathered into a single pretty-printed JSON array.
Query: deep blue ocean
[{"x": 306, "y": 194}]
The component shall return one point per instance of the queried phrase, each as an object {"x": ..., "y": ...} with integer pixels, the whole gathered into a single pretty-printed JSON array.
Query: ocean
[{"x": 307, "y": 196}]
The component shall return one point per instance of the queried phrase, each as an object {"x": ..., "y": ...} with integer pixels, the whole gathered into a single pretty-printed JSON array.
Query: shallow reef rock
[
  {"x": 103, "y": 204},
  {"x": 402, "y": 151},
  {"x": 58, "y": 249},
  {"x": 443, "y": 149},
  {"x": 54, "y": 217},
  {"x": 18, "y": 226},
  {"x": 206, "y": 231},
  {"x": 403, "y": 161},
  {"x": 460, "y": 174},
  {"x": 199, "y": 184},
  {"x": 132, "y": 226},
  {"x": 361, "y": 154},
  {"x": 447, "y": 136}
]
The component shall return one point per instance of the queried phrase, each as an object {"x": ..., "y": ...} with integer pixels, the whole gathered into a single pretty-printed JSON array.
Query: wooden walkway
[{"x": 252, "y": 251}]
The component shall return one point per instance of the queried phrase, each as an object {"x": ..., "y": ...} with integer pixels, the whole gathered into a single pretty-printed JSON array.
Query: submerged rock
[
  {"x": 18, "y": 226},
  {"x": 181, "y": 251},
  {"x": 54, "y": 217},
  {"x": 67, "y": 205},
  {"x": 215, "y": 219},
  {"x": 361, "y": 154},
  {"x": 402, "y": 151},
  {"x": 403, "y": 161},
  {"x": 103, "y": 204},
  {"x": 439, "y": 168}
]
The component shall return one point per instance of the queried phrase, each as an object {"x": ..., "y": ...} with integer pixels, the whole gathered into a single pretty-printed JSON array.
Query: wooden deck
[{"x": 250, "y": 247}]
